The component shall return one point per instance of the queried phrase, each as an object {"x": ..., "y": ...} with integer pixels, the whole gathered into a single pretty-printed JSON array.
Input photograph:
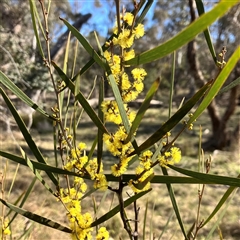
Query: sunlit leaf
[
  {"x": 37, "y": 218},
  {"x": 184, "y": 36}
]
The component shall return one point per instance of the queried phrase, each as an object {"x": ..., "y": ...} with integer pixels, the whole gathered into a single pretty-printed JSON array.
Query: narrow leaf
[
  {"x": 36, "y": 165},
  {"x": 145, "y": 220},
  {"x": 224, "y": 198},
  {"x": 25, "y": 197},
  {"x": 217, "y": 84},
  {"x": 20, "y": 94},
  {"x": 220, "y": 216},
  {"x": 35, "y": 28},
  {"x": 36, "y": 218},
  {"x": 99, "y": 60},
  {"x": 101, "y": 117},
  {"x": 82, "y": 100},
  {"x": 174, "y": 203},
  {"x": 27, "y": 136},
  {"x": 235, "y": 182},
  {"x": 230, "y": 86},
  {"x": 174, "y": 120},
  {"x": 184, "y": 36},
  {"x": 143, "y": 108},
  {"x": 36, "y": 173},
  {"x": 119, "y": 101},
  {"x": 200, "y": 8},
  {"x": 202, "y": 179}
]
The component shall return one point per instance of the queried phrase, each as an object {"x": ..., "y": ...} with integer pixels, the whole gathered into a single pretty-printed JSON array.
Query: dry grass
[{"x": 159, "y": 205}]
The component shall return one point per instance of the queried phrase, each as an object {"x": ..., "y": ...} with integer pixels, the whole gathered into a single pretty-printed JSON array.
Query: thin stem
[
  {"x": 200, "y": 195},
  {"x": 49, "y": 66},
  {"x": 136, "y": 211},
  {"x": 122, "y": 211},
  {"x": 117, "y": 3}
]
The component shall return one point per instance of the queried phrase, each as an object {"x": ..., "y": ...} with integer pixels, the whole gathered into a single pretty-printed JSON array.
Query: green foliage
[{"x": 76, "y": 166}]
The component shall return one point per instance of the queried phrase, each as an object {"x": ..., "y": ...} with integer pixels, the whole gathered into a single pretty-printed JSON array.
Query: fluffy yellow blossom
[
  {"x": 128, "y": 54},
  {"x": 125, "y": 39},
  {"x": 111, "y": 111},
  {"x": 118, "y": 170},
  {"x": 138, "y": 30},
  {"x": 128, "y": 18},
  {"x": 82, "y": 146},
  {"x": 132, "y": 185},
  {"x": 5, "y": 228},
  {"x": 129, "y": 96},
  {"x": 138, "y": 85},
  {"x": 125, "y": 83},
  {"x": 176, "y": 154},
  {"x": 139, "y": 74},
  {"x": 92, "y": 167},
  {"x": 102, "y": 234},
  {"x": 100, "y": 182},
  {"x": 81, "y": 227},
  {"x": 171, "y": 157}
]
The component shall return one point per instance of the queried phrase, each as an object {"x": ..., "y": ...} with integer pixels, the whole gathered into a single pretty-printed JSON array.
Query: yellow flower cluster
[
  {"x": 125, "y": 39},
  {"x": 144, "y": 166},
  {"x": 5, "y": 228},
  {"x": 77, "y": 159},
  {"x": 79, "y": 223},
  {"x": 102, "y": 234},
  {"x": 71, "y": 197},
  {"x": 112, "y": 114},
  {"x": 170, "y": 157},
  {"x": 100, "y": 181},
  {"x": 117, "y": 146},
  {"x": 129, "y": 85}
]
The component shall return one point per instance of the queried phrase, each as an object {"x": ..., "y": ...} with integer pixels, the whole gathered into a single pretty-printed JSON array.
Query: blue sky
[{"x": 99, "y": 20}]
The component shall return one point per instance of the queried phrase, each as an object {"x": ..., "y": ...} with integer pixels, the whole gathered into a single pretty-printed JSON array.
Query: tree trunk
[{"x": 220, "y": 136}]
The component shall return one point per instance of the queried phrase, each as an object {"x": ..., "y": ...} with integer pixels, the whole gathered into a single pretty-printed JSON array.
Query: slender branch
[
  {"x": 136, "y": 211},
  {"x": 122, "y": 211}
]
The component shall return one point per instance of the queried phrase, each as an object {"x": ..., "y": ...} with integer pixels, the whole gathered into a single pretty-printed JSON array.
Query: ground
[{"x": 157, "y": 201}]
